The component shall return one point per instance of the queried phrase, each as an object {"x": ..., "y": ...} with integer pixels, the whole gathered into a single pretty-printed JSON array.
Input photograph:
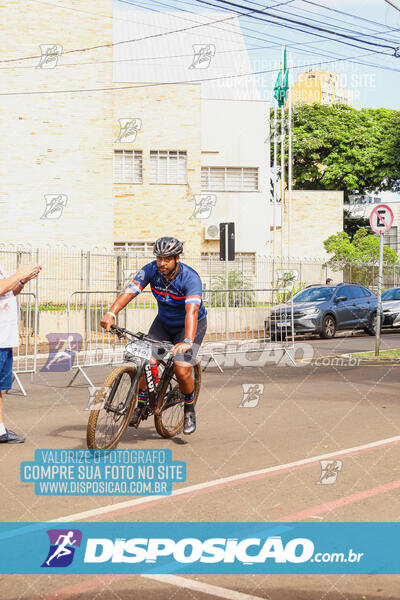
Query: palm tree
[{"x": 236, "y": 281}]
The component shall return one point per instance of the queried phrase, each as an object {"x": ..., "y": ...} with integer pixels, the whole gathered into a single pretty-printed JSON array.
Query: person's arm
[
  {"x": 192, "y": 304},
  {"x": 120, "y": 303},
  {"x": 23, "y": 273},
  {"x": 6, "y": 285},
  {"x": 134, "y": 288},
  {"x": 191, "y": 320},
  {"x": 18, "y": 288}
]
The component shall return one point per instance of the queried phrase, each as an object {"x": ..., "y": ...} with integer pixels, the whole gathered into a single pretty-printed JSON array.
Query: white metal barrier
[
  {"x": 248, "y": 320},
  {"x": 234, "y": 316},
  {"x": 85, "y": 309},
  {"x": 25, "y": 359}
]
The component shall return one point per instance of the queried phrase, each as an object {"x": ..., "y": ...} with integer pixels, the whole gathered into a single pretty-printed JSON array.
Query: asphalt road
[{"x": 302, "y": 412}]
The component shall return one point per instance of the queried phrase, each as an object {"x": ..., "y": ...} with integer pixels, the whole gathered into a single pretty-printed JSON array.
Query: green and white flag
[{"x": 282, "y": 83}]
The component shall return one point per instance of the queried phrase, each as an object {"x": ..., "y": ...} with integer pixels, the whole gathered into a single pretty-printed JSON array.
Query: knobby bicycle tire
[
  {"x": 158, "y": 419},
  {"x": 92, "y": 442}
]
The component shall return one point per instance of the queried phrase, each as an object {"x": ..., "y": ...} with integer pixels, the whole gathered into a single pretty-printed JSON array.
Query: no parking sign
[{"x": 381, "y": 218}]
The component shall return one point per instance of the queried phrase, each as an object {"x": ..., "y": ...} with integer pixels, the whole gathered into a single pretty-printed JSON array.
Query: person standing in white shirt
[{"x": 9, "y": 335}]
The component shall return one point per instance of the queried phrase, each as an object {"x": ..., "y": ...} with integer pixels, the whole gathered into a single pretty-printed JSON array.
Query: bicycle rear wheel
[
  {"x": 170, "y": 421},
  {"x": 111, "y": 412}
]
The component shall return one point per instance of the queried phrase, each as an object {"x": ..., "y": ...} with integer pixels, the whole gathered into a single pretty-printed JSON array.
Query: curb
[{"x": 372, "y": 359}]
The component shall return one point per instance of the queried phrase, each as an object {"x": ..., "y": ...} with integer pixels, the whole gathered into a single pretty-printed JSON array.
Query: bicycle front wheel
[
  {"x": 112, "y": 408},
  {"x": 171, "y": 418}
]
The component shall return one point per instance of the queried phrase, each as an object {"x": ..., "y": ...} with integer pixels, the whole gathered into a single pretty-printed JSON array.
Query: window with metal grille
[
  {"x": 168, "y": 166},
  {"x": 229, "y": 179},
  {"x": 128, "y": 166},
  {"x": 390, "y": 238},
  {"x": 139, "y": 247},
  {"x": 245, "y": 262}
]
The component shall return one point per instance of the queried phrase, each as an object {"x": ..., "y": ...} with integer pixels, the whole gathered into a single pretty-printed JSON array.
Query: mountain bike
[{"x": 113, "y": 405}]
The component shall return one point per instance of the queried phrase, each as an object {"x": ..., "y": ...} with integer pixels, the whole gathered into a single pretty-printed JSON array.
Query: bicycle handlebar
[{"x": 121, "y": 331}]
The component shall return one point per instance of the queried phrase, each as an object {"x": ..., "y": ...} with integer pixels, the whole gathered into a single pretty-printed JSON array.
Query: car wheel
[
  {"x": 328, "y": 328},
  {"x": 371, "y": 329},
  {"x": 278, "y": 336}
]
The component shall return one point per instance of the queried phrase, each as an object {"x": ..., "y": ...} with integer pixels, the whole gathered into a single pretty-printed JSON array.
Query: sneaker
[
  {"x": 11, "y": 438},
  {"x": 189, "y": 425},
  {"x": 137, "y": 414}
]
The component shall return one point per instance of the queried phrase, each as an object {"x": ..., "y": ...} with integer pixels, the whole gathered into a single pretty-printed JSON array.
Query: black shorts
[{"x": 159, "y": 331}]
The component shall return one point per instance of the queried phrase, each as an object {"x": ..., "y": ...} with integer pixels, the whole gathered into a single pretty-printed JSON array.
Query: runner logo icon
[{"x": 62, "y": 547}]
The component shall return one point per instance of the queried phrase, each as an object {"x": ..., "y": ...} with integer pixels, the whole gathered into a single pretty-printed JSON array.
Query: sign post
[
  {"x": 226, "y": 253},
  {"x": 380, "y": 220}
]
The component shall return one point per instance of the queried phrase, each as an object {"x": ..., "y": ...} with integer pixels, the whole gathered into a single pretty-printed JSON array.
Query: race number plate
[{"x": 139, "y": 349}]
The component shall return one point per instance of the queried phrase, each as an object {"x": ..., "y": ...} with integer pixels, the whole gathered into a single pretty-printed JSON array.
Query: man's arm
[
  {"x": 191, "y": 319},
  {"x": 134, "y": 288},
  {"x": 120, "y": 303}
]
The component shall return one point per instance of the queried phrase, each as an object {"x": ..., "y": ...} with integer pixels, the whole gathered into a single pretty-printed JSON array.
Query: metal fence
[
  {"x": 233, "y": 316},
  {"x": 67, "y": 269},
  {"x": 239, "y": 302},
  {"x": 25, "y": 358}
]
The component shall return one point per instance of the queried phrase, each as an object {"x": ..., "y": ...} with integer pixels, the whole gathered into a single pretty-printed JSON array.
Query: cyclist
[{"x": 181, "y": 318}]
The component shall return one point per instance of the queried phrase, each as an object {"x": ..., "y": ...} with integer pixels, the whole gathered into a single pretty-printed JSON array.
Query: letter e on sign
[{"x": 381, "y": 218}]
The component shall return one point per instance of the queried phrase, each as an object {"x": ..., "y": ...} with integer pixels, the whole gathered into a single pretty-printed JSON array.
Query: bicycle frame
[{"x": 144, "y": 365}]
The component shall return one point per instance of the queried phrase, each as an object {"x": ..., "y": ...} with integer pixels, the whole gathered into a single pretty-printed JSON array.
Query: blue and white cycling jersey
[{"x": 172, "y": 298}]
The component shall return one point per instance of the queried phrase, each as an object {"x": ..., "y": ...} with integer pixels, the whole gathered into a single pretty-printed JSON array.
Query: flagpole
[
  {"x": 290, "y": 161},
  {"x": 275, "y": 187},
  {"x": 282, "y": 159}
]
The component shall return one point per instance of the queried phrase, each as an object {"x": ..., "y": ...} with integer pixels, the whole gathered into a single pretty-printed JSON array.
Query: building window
[
  {"x": 229, "y": 179},
  {"x": 136, "y": 247},
  {"x": 212, "y": 266},
  {"x": 128, "y": 166},
  {"x": 168, "y": 166},
  {"x": 390, "y": 238}
]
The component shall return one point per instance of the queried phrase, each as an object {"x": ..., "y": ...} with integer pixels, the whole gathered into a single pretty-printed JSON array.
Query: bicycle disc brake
[{"x": 173, "y": 397}]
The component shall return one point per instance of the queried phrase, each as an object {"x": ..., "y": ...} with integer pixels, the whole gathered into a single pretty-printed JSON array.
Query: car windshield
[
  {"x": 315, "y": 294},
  {"x": 391, "y": 294}
]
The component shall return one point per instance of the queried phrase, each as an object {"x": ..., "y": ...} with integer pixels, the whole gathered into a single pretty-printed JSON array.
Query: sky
[{"x": 371, "y": 72}]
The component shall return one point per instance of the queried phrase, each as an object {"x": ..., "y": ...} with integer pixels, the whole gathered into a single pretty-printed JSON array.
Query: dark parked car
[
  {"x": 391, "y": 308},
  {"x": 325, "y": 309}
]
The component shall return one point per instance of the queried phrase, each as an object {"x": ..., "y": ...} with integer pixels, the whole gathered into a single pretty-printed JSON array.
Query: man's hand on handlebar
[
  {"x": 181, "y": 348},
  {"x": 107, "y": 321}
]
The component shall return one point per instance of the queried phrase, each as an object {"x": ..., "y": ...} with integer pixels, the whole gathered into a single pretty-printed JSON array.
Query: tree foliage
[
  {"x": 359, "y": 256},
  {"x": 340, "y": 148},
  {"x": 236, "y": 281},
  {"x": 352, "y": 224}
]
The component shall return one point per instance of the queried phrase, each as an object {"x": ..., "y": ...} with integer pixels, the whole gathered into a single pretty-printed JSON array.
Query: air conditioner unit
[{"x": 211, "y": 232}]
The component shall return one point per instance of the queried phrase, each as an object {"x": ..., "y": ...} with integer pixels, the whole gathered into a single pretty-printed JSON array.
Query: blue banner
[
  {"x": 201, "y": 548},
  {"x": 59, "y": 472}
]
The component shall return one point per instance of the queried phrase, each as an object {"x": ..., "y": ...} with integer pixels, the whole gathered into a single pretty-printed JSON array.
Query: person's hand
[
  {"x": 28, "y": 272},
  {"x": 107, "y": 321},
  {"x": 181, "y": 348}
]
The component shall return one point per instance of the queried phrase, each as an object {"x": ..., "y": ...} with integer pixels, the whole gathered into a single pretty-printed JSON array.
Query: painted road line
[
  {"x": 200, "y": 586},
  {"x": 183, "y": 582},
  {"x": 141, "y": 503},
  {"x": 308, "y": 513},
  {"x": 88, "y": 585},
  {"x": 205, "y": 588}
]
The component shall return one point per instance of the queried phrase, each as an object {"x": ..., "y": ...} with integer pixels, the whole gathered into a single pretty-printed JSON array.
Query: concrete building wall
[
  {"x": 233, "y": 135},
  {"x": 315, "y": 216},
  {"x": 170, "y": 120},
  {"x": 320, "y": 86},
  {"x": 56, "y": 143}
]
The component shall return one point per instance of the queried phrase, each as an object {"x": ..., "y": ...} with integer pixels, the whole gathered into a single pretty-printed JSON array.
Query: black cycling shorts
[{"x": 159, "y": 331}]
